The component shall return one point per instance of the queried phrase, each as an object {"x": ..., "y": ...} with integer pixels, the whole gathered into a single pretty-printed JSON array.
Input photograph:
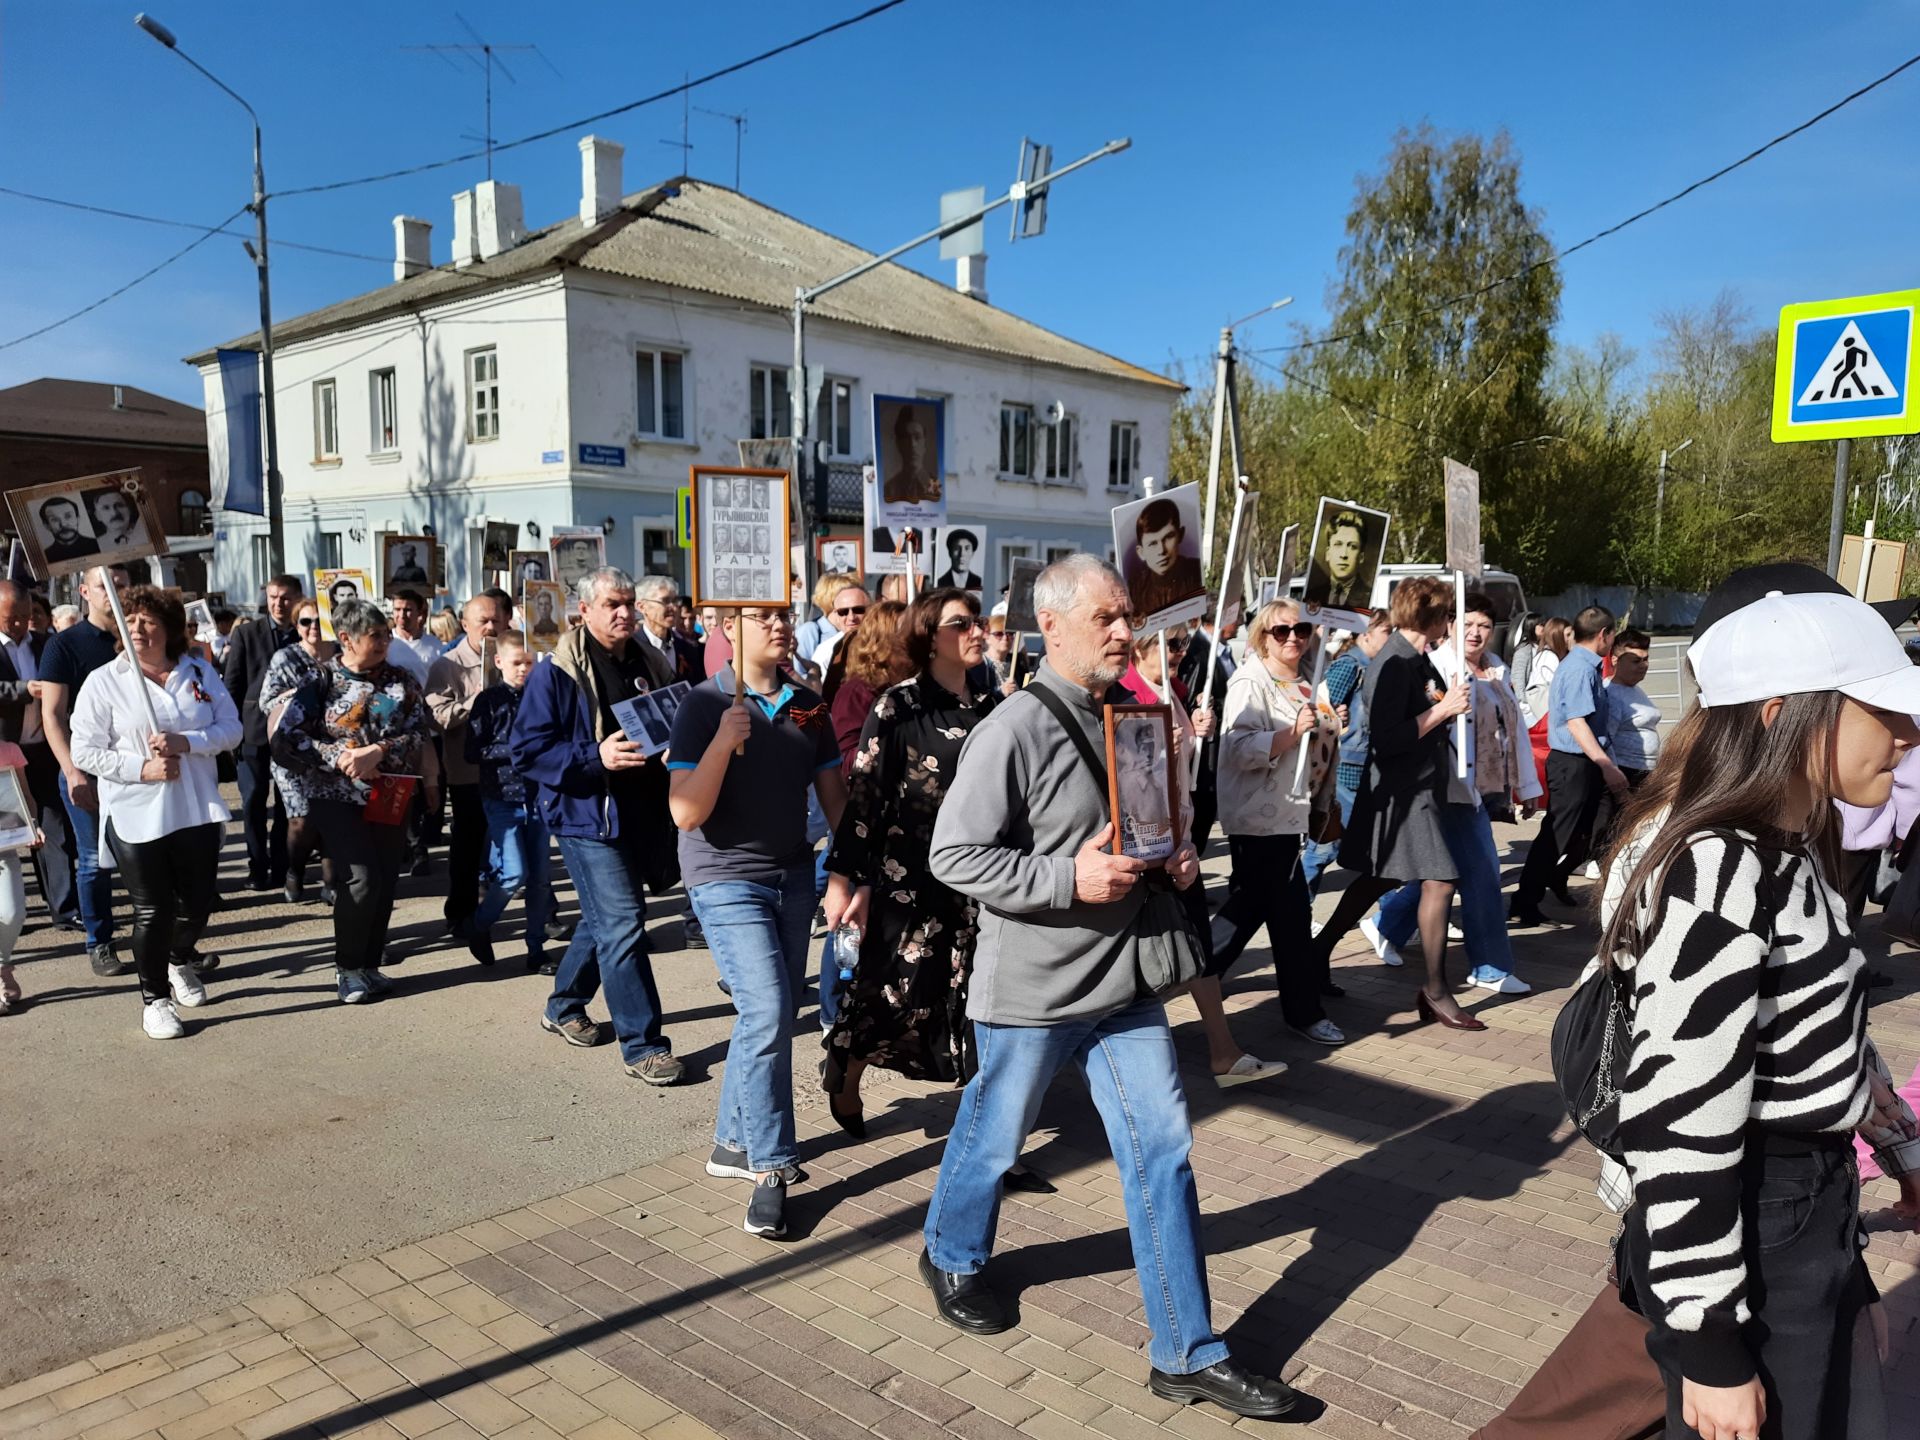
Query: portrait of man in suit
[{"x": 962, "y": 546}]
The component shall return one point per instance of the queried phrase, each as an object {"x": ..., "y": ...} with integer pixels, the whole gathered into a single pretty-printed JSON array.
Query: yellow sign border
[{"x": 1785, "y": 428}]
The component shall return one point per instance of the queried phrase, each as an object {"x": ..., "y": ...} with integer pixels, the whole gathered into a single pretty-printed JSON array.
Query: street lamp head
[
  {"x": 1683, "y": 445},
  {"x": 154, "y": 28}
]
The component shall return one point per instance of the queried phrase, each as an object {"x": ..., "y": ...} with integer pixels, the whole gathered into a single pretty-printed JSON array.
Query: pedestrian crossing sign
[{"x": 1847, "y": 368}]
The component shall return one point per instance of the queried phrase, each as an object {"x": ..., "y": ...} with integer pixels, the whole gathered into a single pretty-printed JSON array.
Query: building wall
[{"x": 568, "y": 404}]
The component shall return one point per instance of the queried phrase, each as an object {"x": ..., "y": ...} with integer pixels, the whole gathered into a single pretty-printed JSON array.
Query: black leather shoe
[
  {"x": 1230, "y": 1386},
  {"x": 964, "y": 1301}
]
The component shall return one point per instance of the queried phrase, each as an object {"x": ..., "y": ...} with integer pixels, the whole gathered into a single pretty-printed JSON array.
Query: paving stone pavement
[{"x": 1405, "y": 1227}]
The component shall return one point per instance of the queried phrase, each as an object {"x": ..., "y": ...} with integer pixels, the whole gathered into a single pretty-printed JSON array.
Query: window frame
[
  {"x": 1015, "y": 409},
  {"x": 1123, "y": 457},
  {"x": 828, "y": 421},
  {"x": 1049, "y": 467},
  {"x": 776, "y": 409},
  {"x": 476, "y": 387},
  {"x": 383, "y": 392},
  {"x": 657, "y": 356},
  {"x": 326, "y": 422}
]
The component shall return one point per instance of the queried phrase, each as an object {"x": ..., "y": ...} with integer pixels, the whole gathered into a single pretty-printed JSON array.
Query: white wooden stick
[
  {"x": 126, "y": 641},
  {"x": 1313, "y": 692},
  {"x": 1460, "y": 671}
]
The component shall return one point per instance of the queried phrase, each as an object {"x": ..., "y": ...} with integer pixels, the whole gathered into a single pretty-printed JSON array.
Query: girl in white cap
[{"x": 1749, "y": 1069}]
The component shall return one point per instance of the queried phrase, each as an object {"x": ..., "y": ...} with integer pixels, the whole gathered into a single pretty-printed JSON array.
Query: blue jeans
[
  {"x": 609, "y": 946},
  {"x": 758, "y": 933},
  {"x": 1128, "y": 1061},
  {"x": 1320, "y": 854},
  {"x": 1483, "y": 918},
  {"x": 516, "y": 856},
  {"x": 94, "y": 884},
  {"x": 829, "y": 975}
]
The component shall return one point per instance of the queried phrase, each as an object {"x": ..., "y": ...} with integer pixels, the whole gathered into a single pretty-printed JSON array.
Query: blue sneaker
[
  {"x": 354, "y": 988},
  {"x": 378, "y": 982}
]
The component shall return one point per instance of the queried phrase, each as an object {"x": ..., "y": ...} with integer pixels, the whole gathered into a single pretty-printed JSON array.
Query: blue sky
[{"x": 1250, "y": 123}]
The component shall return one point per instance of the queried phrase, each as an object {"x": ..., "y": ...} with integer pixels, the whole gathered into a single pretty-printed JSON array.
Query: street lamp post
[
  {"x": 276, "y": 530},
  {"x": 1226, "y": 419},
  {"x": 1660, "y": 496}
]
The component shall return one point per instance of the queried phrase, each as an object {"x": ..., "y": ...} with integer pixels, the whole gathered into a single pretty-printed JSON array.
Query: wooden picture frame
[
  {"x": 837, "y": 546},
  {"x": 543, "y": 611},
  {"x": 324, "y": 583},
  {"x": 729, "y": 567},
  {"x": 418, "y": 575},
  {"x": 1142, "y": 778},
  {"x": 525, "y": 565},
  {"x": 73, "y": 525},
  {"x": 16, "y": 814}
]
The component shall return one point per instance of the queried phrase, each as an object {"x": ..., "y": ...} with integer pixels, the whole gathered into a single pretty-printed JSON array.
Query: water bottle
[{"x": 846, "y": 952}]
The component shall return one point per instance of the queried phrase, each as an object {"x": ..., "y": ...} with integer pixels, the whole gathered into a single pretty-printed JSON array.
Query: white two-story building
[{"x": 571, "y": 375}]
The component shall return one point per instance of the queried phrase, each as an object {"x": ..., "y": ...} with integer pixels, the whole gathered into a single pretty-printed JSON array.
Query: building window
[
  {"x": 1123, "y": 454},
  {"x": 1056, "y": 451},
  {"x": 326, "y": 421},
  {"x": 385, "y": 408},
  {"x": 836, "y": 417},
  {"x": 193, "y": 513},
  {"x": 330, "y": 551},
  {"x": 263, "y": 558},
  {"x": 1016, "y": 441},
  {"x": 770, "y": 408},
  {"x": 483, "y": 394},
  {"x": 661, "y": 390},
  {"x": 1061, "y": 552}
]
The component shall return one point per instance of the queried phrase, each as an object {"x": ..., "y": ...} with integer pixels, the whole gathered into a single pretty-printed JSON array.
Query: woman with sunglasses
[
  {"x": 906, "y": 1007},
  {"x": 1269, "y": 714},
  {"x": 292, "y": 666}
]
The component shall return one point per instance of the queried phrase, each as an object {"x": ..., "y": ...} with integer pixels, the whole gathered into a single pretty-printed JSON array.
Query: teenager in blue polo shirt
[
  {"x": 1579, "y": 769},
  {"x": 748, "y": 868}
]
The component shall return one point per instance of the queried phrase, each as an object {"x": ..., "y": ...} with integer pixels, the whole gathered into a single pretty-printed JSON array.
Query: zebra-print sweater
[{"x": 1749, "y": 1011}]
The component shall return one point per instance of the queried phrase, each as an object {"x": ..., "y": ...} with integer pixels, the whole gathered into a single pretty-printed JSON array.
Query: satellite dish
[{"x": 1055, "y": 412}]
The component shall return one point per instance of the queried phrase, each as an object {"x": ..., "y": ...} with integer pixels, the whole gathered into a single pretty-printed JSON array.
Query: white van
[{"x": 1502, "y": 587}]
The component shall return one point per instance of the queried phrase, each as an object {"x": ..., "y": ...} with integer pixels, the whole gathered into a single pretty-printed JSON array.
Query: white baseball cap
[{"x": 1802, "y": 644}]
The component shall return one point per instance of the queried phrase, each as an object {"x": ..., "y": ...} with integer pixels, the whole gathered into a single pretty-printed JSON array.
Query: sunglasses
[
  {"x": 1302, "y": 632},
  {"x": 962, "y": 624},
  {"x": 852, "y": 610},
  {"x": 308, "y": 624}
]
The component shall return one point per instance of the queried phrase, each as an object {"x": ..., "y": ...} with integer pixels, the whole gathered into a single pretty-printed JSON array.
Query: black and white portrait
[
  {"x": 116, "y": 520},
  {"x": 909, "y": 459},
  {"x": 1348, "y": 543},
  {"x": 543, "y": 610},
  {"x": 840, "y": 554},
  {"x": 528, "y": 565},
  {"x": 741, "y": 533},
  {"x": 1158, "y": 542},
  {"x": 956, "y": 552},
  {"x": 496, "y": 545},
  {"x": 68, "y": 525},
  {"x": 575, "y": 555},
  {"x": 64, "y": 534},
  {"x": 1139, "y": 760},
  {"x": 406, "y": 563}
]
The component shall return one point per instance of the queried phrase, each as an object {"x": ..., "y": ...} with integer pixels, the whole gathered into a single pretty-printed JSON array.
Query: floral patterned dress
[{"x": 906, "y": 1007}]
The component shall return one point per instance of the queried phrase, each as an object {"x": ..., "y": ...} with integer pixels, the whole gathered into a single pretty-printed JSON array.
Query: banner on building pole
[{"x": 240, "y": 476}]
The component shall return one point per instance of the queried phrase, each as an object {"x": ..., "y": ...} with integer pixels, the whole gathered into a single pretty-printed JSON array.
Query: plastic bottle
[{"x": 846, "y": 952}]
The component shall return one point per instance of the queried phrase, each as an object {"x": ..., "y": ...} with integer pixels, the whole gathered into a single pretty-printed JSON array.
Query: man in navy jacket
[{"x": 605, "y": 802}]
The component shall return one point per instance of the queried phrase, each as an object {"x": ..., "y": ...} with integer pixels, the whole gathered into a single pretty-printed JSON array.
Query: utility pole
[
  {"x": 813, "y": 498},
  {"x": 1837, "y": 526},
  {"x": 1660, "y": 500},
  {"x": 1226, "y": 421}
]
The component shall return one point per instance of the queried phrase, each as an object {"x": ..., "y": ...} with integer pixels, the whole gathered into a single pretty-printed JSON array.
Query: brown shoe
[
  {"x": 662, "y": 1067},
  {"x": 575, "y": 1030}
]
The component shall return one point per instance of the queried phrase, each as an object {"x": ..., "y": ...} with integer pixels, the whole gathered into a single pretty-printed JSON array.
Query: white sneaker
[
  {"x": 1454, "y": 932},
  {"x": 1323, "y": 1032},
  {"x": 160, "y": 1022},
  {"x": 1593, "y": 870},
  {"x": 186, "y": 986},
  {"x": 1505, "y": 985},
  {"x": 1370, "y": 928},
  {"x": 1317, "y": 927}
]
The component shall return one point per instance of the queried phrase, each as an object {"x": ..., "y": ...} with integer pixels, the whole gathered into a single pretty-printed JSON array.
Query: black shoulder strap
[{"x": 1044, "y": 694}]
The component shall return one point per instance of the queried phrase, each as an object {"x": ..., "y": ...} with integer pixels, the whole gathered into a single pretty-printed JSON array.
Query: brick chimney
[
  {"x": 970, "y": 277},
  {"x": 497, "y": 217},
  {"x": 599, "y": 178},
  {"x": 412, "y": 246},
  {"x": 466, "y": 234}
]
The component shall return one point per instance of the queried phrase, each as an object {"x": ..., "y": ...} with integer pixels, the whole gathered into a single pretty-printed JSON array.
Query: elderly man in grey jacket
[{"x": 1025, "y": 831}]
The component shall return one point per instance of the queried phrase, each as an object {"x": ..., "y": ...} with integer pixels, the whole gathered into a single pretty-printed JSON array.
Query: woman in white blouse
[
  {"x": 1269, "y": 714},
  {"x": 161, "y": 813}
]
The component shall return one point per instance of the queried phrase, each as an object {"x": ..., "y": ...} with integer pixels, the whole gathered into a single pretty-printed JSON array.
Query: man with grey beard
[{"x": 1056, "y": 982}]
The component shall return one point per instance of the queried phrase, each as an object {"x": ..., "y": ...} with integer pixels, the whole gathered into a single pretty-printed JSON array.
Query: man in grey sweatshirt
[{"x": 1025, "y": 832}]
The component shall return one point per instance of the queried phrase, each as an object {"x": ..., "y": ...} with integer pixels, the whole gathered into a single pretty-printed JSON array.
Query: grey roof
[
  {"x": 697, "y": 236},
  {"x": 84, "y": 410}
]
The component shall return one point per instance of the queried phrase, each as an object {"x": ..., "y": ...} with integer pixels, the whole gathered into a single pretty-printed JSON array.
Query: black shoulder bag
[
  {"x": 1170, "y": 955},
  {"x": 1592, "y": 1040}
]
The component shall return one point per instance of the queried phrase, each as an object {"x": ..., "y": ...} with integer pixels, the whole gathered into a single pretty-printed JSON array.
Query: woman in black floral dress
[{"x": 906, "y": 1007}]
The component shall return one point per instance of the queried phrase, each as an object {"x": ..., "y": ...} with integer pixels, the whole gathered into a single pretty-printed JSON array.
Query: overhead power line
[
  {"x": 684, "y": 87},
  {"x": 278, "y": 243},
  {"x": 1613, "y": 229},
  {"x": 191, "y": 246}
]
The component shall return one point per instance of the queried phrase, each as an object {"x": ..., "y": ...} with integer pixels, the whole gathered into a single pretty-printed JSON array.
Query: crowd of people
[{"x": 901, "y": 775}]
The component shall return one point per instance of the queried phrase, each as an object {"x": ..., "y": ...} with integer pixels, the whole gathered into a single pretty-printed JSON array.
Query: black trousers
[
  {"x": 1807, "y": 1288},
  {"x": 1271, "y": 890},
  {"x": 170, "y": 882},
  {"x": 1574, "y": 788},
  {"x": 466, "y": 852},
  {"x": 266, "y": 844},
  {"x": 366, "y": 868}
]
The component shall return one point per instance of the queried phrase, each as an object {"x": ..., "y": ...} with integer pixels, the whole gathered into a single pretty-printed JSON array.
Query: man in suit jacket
[
  {"x": 658, "y": 599},
  {"x": 20, "y": 725},
  {"x": 249, "y": 651}
]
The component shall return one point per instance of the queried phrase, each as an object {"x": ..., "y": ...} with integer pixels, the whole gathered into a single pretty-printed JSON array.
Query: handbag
[
  {"x": 1169, "y": 953},
  {"x": 1592, "y": 1039}
]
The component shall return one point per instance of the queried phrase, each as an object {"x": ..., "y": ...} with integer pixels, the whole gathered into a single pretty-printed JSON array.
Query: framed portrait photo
[
  {"x": 573, "y": 553},
  {"x": 496, "y": 544},
  {"x": 525, "y": 565},
  {"x": 1141, "y": 779},
  {"x": 333, "y": 588},
  {"x": 840, "y": 554},
  {"x": 71, "y": 525},
  {"x": 1349, "y": 542},
  {"x": 543, "y": 610},
  {"x": 1158, "y": 542},
  {"x": 406, "y": 563},
  {"x": 740, "y": 528},
  {"x": 909, "y": 448},
  {"x": 16, "y": 815}
]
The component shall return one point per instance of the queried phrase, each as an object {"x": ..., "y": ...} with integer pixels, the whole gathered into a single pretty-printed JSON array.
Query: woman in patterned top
[
  {"x": 906, "y": 1007},
  {"x": 360, "y": 719},
  {"x": 1749, "y": 1065},
  {"x": 292, "y": 666}
]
